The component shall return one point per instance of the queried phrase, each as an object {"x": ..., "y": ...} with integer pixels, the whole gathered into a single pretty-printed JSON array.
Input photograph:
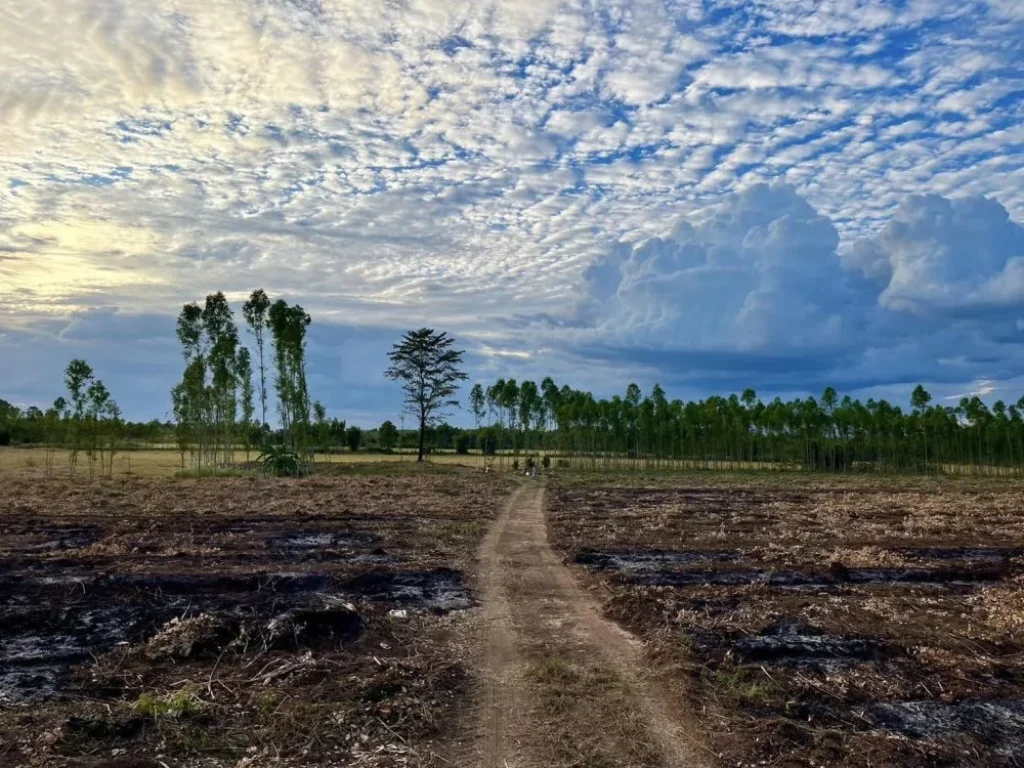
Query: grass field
[{"x": 166, "y": 463}]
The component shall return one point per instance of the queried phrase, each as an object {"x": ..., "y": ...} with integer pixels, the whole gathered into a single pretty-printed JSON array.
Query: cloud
[
  {"x": 941, "y": 256},
  {"x": 755, "y": 290},
  {"x": 758, "y": 271},
  {"x": 465, "y": 164}
]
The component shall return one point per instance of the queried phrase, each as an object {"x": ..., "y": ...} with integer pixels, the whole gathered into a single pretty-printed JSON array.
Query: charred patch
[
  {"x": 996, "y": 724},
  {"x": 439, "y": 590},
  {"x": 651, "y": 560}
]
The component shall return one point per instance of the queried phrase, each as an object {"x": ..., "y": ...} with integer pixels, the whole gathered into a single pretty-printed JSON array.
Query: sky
[{"x": 783, "y": 194}]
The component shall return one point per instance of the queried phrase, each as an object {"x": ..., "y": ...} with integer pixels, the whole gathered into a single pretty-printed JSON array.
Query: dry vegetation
[
  {"x": 239, "y": 621},
  {"x": 166, "y": 462},
  {"x": 820, "y": 621}
]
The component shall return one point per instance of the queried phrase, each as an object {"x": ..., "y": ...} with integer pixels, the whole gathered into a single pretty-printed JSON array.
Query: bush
[
  {"x": 353, "y": 438},
  {"x": 5, "y": 436},
  {"x": 462, "y": 445},
  {"x": 546, "y": 462},
  {"x": 280, "y": 462}
]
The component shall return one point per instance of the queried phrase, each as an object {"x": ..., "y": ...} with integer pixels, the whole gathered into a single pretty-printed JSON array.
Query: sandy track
[{"x": 561, "y": 684}]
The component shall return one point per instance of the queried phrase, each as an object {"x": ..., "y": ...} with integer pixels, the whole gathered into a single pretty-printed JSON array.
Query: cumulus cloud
[
  {"x": 386, "y": 163},
  {"x": 942, "y": 256},
  {"x": 755, "y": 289},
  {"x": 758, "y": 271}
]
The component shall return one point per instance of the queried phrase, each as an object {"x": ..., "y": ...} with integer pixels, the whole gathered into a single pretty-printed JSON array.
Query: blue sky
[{"x": 781, "y": 194}]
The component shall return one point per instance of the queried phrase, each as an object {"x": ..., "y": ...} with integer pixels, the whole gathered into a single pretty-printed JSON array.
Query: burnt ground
[
  {"x": 819, "y": 621},
  {"x": 237, "y": 621}
]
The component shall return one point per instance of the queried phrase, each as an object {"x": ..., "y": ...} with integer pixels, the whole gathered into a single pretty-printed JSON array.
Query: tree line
[
  {"x": 826, "y": 433},
  {"x": 221, "y": 404}
]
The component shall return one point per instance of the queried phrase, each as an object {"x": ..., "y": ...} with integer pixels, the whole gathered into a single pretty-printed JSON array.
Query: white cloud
[{"x": 467, "y": 162}]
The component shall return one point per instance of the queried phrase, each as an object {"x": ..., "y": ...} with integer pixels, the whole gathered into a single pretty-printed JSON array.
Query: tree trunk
[{"x": 423, "y": 437}]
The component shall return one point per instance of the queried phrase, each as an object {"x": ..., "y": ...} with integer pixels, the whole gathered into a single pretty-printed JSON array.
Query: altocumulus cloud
[{"x": 778, "y": 193}]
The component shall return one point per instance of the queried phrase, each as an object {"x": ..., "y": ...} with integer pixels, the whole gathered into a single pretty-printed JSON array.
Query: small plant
[
  {"x": 278, "y": 461},
  {"x": 546, "y": 462},
  {"x": 181, "y": 704}
]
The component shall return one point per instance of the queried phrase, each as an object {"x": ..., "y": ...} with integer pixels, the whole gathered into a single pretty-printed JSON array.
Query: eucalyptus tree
[
  {"x": 222, "y": 357},
  {"x": 190, "y": 397},
  {"x": 243, "y": 370},
  {"x": 478, "y": 404},
  {"x": 288, "y": 326},
  {"x": 256, "y": 313},
  {"x": 430, "y": 370}
]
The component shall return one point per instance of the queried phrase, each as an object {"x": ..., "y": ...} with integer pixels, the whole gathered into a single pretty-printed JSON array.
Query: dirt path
[{"x": 562, "y": 685}]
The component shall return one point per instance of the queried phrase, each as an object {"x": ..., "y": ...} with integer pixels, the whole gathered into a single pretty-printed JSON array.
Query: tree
[
  {"x": 288, "y": 328},
  {"x": 255, "y": 312},
  {"x": 323, "y": 426},
  {"x": 387, "y": 436},
  {"x": 77, "y": 378},
  {"x": 478, "y": 404},
  {"x": 353, "y": 438},
  {"x": 243, "y": 366},
  {"x": 430, "y": 371}
]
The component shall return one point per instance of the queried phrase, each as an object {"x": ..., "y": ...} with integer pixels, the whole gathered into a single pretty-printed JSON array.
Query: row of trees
[
  {"x": 222, "y": 389},
  {"x": 827, "y": 433},
  {"x": 214, "y": 404},
  {"x": 88, "y": 420}
]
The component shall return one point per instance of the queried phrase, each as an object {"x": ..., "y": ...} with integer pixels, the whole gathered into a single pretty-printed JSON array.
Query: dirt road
[{"x": 562, "y": 685}]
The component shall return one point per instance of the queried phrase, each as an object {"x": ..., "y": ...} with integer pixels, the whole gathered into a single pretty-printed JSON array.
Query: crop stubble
[
  {"x": 208, "y": 623},
  {"x": 819, "y": 621}
]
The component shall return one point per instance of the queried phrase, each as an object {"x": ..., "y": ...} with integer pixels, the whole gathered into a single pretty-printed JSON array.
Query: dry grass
[
  {"x": 203, "y": 676},
  {"x": 952, "y": 635},
  {"x": 166, "y": 463}
]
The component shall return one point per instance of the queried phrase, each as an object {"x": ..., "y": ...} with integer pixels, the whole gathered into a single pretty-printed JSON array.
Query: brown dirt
[
  {"x": 240, "y": 622},
  {"x": 562, "y": 685},
  {"x": 819, "y": 621}
]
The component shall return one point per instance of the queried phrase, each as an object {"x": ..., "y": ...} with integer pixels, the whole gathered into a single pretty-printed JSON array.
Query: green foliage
[
  {"x": 181, "y": 704},
  {"x": 387, "y": 436},
  {"x": 430, "y": 370},
  {"x": 353, "y": 438},
  {"x": 255, "y": 313},
  {"x": 462, "y": 443},
  {"x": 280, "y": 461},
  {"x": 288, "y": 326}
]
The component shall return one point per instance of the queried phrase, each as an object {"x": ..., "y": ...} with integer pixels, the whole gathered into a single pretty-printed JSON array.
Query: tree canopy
[{"x": 430, "y": 370}]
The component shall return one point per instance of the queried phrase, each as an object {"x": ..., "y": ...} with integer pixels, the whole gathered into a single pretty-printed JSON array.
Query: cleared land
[
  {"x": 157, "y": 463},
  {"x": 818, "y": 621},
  {"x": 302, "y": 622}
]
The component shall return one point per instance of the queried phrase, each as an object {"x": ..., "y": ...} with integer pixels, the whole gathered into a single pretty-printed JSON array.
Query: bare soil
[
  {"x": 564, "y": 686},
  {"x": 238, "y": 621},
  {"x": 819, "y": 621}
]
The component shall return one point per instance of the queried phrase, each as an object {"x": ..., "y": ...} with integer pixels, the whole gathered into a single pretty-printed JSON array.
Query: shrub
[
  {"x": 280, "y": 462},
  {"x": 462, "y": 445}
]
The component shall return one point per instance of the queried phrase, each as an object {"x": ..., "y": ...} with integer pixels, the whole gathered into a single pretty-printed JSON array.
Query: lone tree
[{"x": 430, "y": 372}]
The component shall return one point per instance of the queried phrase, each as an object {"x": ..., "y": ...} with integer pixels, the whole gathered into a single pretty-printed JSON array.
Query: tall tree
[
  {"x": 430, "y": 371},
  {"x": 478, "y": 403},
  {"x": 77, "y": 378},
  {"x": 243, "y": 366},
  {"x": 255, "y": 311},
  {"x": 288, "y": 326}
]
